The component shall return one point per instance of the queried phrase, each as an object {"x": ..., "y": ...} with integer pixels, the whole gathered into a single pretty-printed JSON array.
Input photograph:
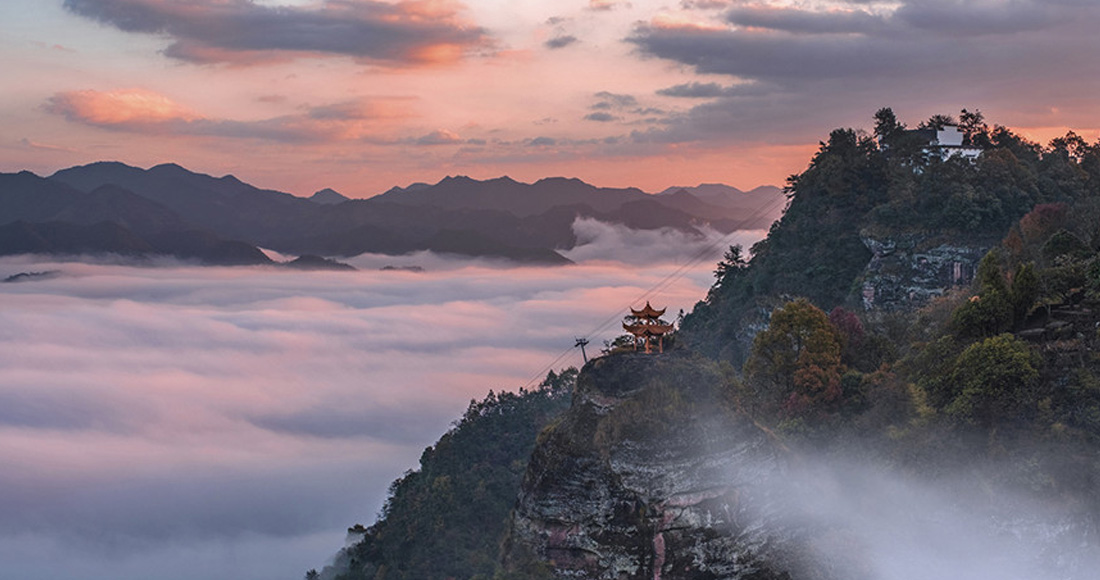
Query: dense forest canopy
[{"x": 889, "y": 183}]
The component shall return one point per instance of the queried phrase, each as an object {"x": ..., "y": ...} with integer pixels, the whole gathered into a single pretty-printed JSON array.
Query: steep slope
[
  {"x": 447, "y": 518},
  {"x": 650, "y": 475}
]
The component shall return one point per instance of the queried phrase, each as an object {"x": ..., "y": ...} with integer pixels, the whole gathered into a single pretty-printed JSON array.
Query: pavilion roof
[
  {"x": 647, "y": 329},
  {"x": 648, "y": 312}
]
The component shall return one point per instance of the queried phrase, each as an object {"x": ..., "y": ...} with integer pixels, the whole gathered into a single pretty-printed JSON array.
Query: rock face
[
  {"x": 907, "y": 271},
  {"x": 649, "y": 476}
]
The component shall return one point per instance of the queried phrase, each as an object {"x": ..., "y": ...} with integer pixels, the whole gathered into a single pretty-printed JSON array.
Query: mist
[
  {"x": 181, "y": 422},
  {"x": 864, "y": 520}
]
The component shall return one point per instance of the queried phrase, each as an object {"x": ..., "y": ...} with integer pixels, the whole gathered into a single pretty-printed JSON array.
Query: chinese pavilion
[{"x": 647, "y": 326}]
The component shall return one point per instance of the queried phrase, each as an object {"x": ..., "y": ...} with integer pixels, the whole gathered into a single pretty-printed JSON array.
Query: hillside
[
  {"x": 981, "y": 389},
  {"x": 915, "y": 213},
  {"x": 907, "y": 362},
  {"x": 447, "y": 518}
]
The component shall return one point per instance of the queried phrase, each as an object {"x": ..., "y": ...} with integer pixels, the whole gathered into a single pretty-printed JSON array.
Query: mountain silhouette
[{"x": 220, "y": 220}]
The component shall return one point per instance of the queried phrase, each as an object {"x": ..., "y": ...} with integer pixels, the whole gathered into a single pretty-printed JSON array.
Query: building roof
[
  {"x": 648, "y": 312},
  {"x": 640, "y": 329}
]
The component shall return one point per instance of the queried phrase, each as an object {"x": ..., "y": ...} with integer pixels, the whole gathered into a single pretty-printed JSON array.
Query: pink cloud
[
  {"x": 119, "y": 107},
  {"x": 148, "y": 112}
]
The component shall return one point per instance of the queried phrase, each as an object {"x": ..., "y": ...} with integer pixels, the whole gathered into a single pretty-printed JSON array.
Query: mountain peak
[
  {"x": 328, "y": 196},
  {"x": 453, "y": 179},
  {"x": 559, "y": 179},
  {"x": 175, "y": 167}
]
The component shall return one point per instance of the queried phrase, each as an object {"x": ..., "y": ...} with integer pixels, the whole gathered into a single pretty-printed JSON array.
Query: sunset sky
[{"x": 361, "y": 95}]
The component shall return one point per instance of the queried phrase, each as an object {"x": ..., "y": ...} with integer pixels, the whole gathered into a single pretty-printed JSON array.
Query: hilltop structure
[
  {"x": 947, "y": 142},
  {"x": 647, "y": 326}
]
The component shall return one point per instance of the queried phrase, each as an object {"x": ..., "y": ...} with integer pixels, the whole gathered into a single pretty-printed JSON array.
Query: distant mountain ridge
[
  {"x": 328, "y": 196},
  {"x": 188, "y": 214}
]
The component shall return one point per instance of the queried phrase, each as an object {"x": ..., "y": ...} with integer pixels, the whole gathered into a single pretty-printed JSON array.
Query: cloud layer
[
  {"x": 180, "y": 422},
  {"x": 243, "y": 31}
]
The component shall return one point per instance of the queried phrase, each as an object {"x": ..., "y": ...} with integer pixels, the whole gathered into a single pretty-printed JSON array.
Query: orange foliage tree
[{"x": 794, "y": 370}]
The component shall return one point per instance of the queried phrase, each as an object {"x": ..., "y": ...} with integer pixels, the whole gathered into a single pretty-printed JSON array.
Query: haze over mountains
[{"x": 113, "y": 208}]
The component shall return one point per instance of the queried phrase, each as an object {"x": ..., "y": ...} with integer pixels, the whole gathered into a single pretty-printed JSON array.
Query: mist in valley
[{"x": 176, "y": 421}]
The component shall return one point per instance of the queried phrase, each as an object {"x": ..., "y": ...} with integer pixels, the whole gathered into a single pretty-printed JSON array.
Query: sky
[
  {"x": 363, "y": 95},
  {"x": 181, "y": 422}
]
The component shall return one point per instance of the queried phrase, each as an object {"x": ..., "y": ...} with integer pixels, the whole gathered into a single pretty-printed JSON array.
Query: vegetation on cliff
[
  {"x": 1002, "y": 371},
  {"x": 888, "y": 183},
  {"x": 447, "y": 519}
]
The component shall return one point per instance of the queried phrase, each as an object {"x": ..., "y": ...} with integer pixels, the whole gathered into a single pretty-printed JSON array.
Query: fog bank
[{"x": 197, "y": 422}]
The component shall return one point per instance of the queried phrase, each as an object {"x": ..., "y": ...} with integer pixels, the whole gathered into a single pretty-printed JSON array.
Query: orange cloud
[
  {"x": 142, "y": 111},
  {"x": 119, "y": 107}
]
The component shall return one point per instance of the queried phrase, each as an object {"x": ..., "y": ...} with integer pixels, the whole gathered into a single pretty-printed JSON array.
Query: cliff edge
[{"x": 650, "y": 475}]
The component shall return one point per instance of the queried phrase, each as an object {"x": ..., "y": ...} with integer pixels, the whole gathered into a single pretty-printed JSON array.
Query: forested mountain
[
  {"x": 932, "y": 315},
  {"x": 861, "y": 188},
  {"x": 448, "y": 518}
]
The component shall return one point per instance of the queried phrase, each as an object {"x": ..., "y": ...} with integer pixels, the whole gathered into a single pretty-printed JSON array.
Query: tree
[
  {"x": 974, "y": 129},
  {"x": 938, "y": 122},
  {"x": 994, "y": 381},
  {"x": 1042, "y": 220},
  {"x": 1025, "y": 291},
  {"x": 732, "y": 263},
  {"x": 991, "y": 310},
  {"x": 794, "y": 369},
  {"x": 886, "y": 125}
]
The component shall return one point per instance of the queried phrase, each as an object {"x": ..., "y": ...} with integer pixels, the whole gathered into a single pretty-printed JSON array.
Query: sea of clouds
[{"x": 178, "y": 422}]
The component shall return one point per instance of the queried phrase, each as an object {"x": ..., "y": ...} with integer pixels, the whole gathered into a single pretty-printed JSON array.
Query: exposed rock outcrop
[
  {"x": 906, "y": 271},
  {"x": 649, "y": 476}
]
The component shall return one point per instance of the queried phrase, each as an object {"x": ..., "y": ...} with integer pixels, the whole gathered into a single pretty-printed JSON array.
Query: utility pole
[{"x": 581, "y": 342}]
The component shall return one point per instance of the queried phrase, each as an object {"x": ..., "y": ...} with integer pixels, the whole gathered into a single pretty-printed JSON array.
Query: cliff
[
  {"x": 908, "y": 270},
  {"x": 650, "y": 475}
]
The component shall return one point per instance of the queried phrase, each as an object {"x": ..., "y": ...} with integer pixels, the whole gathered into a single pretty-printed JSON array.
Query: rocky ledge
[{"x": 650, "y": 475}]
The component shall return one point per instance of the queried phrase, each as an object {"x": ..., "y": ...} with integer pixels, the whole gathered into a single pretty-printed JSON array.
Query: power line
[{"x": 703, "y": 254}]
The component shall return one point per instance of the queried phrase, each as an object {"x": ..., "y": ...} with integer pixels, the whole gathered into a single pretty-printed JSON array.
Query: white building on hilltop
[{"x": 948, "y": 142}]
